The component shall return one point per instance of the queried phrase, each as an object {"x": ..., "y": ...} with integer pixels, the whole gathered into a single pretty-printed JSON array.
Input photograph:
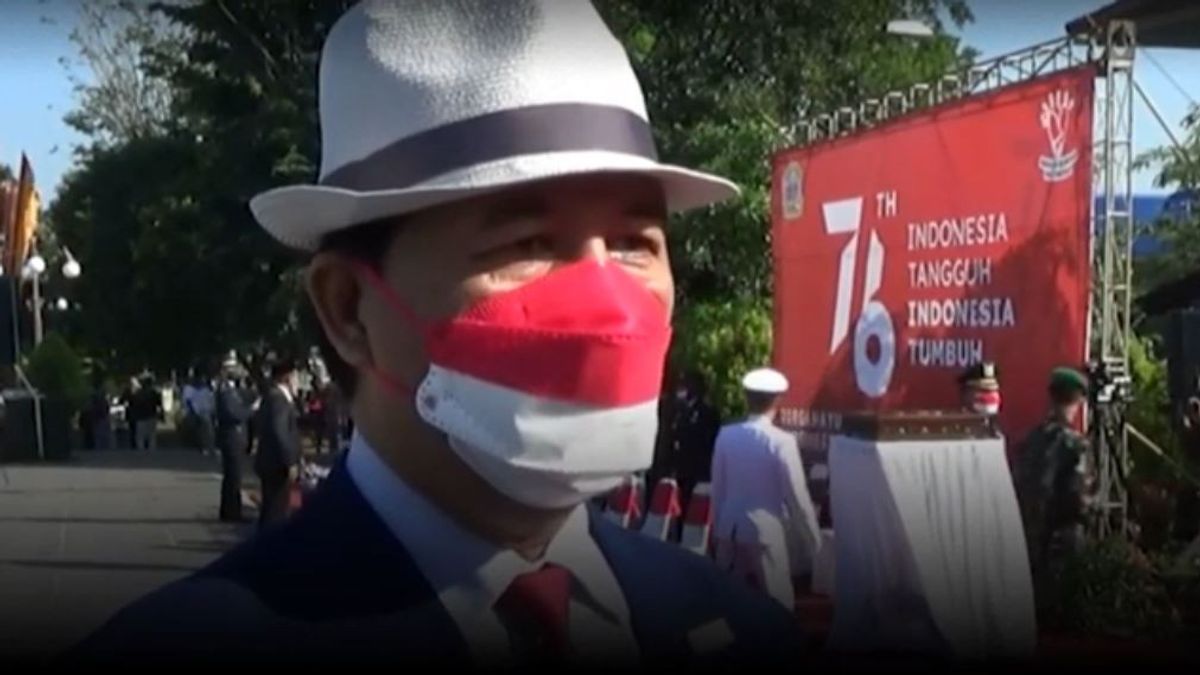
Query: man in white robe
[{"x": 764, "y": 514}]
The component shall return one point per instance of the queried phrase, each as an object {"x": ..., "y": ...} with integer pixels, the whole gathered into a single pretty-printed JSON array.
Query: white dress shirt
[
  {"x": 469, "y": 574},
  {"x": 759, "y": 488}
]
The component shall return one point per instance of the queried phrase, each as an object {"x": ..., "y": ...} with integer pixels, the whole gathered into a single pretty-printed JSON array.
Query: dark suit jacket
[
  {"x": 333, "y": 584},
  {"x": 232, "y": 415},
  {"x": 279, "y": 435}
]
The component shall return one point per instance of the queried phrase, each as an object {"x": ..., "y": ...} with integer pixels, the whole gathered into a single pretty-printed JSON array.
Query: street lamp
[
  {"x": 36, "y": 265},
  {"x": 62, "y": 304},
  {"x": 71, "y": 269},
  {"x": 34, "y": 268},
  {"x": 909, "y": 28}
]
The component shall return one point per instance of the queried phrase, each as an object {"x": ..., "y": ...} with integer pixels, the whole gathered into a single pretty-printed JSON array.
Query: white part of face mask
[
  {"x": 532, "y": 486},
  {"x": 985, "y": 409},
  {"x": 540, "y": 452}
]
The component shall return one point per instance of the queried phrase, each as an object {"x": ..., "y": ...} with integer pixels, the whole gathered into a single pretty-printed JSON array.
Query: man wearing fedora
[
  {"x": 489, "y": 267},
  {"x": 232, "y": 417}
]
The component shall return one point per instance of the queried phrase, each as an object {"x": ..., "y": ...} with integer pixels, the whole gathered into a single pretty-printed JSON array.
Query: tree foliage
[
  {"x": 725, "y": 340},
  {"x": 119, "y": 96},
  {"x": 1179, "y": 169},
  {"x": 725, "y": 80},
  {"x": 161, "y": 224}
]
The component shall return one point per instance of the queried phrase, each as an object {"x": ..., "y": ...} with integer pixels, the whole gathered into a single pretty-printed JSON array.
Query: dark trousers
[
  {"x": 274, "y": 507},
  {"x": 231, "y": 481}
]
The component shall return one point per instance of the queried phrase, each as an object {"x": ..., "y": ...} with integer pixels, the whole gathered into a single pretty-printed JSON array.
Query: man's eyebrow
[
  {"x": 504, "y": 213},
  {"x": 649, "y": 209}
]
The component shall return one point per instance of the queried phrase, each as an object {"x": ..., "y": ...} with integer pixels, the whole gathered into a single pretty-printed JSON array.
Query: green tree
[
  {"x": 119, "y": 97},
  {"x": 1178, "y": 169},
  {"x": 177, "y": 269},
  {"x": 724, "y": 80}
]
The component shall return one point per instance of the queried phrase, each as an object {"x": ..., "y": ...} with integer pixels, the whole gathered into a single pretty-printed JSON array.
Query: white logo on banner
[
  {"x": 872, "y": 377},
  {"x": 1055, "y": 119}
]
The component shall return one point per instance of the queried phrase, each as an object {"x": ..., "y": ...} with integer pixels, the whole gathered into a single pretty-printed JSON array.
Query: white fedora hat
[{"x": 424, "y": 103}]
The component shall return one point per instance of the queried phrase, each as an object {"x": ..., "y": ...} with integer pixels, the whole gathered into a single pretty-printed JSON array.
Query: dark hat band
[{"x": 478, "y": 140}]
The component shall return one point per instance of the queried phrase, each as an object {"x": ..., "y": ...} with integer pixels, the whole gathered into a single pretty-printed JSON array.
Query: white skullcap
[{"x": 766, "y": 381}]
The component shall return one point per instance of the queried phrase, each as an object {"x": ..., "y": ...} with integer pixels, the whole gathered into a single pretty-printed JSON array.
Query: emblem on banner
[
  {"x": 793, "y": 191},
  {"x": 1056, "y": 121},
  {"x": 871, "y": 375}
]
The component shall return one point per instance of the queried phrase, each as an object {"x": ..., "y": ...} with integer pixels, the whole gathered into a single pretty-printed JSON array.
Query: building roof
[{"x": 1159, "y": 23}]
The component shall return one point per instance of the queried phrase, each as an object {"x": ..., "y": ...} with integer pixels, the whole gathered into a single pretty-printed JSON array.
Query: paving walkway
[{"x": 79, "y": 540}]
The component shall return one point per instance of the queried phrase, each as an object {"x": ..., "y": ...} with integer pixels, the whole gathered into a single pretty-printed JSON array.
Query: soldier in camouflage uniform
[{"x": 1052, "y": 477}]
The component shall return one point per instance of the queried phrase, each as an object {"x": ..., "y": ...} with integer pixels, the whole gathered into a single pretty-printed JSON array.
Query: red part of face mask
[
  {"x": 986, "y": 398},
  {"x": 586, "y": 333}
]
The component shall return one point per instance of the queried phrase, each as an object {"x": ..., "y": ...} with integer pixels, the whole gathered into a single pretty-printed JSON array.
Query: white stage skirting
[{"x": 930, "y": 551}]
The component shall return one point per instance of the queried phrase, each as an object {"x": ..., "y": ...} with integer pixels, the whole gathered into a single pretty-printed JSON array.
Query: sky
[{"x": 34, "y": 38}]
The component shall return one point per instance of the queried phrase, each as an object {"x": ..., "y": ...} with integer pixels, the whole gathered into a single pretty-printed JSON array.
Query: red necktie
[{"x": 535, "y": 608}]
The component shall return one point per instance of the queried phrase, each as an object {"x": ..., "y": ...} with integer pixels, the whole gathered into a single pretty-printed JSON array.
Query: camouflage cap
[{"x": 1068, "y": 379}]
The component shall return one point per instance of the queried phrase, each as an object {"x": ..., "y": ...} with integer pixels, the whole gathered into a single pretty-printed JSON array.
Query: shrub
[
  {"x": 57, "y": 371},
  {"x": 1109, "y": 587}
]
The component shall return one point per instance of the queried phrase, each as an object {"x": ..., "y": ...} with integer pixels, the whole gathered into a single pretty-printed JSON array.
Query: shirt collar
[{"x": 463, "y": 568}]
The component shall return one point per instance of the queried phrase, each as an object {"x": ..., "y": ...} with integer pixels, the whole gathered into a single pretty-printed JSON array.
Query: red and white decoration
[
  {"x": 697, "y": 522},
  {"x": 624, "y": 504},
  {"x": 664, "y": 509}
]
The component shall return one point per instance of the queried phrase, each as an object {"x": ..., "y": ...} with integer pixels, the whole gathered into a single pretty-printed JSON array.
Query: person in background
[
  {"x": 331, "y": 409},
  {"x": 314, "y": 411},
  {"x": 695, "y": 425},
  {"x": 1187, "y": 501},
  {"x": 100, "y": 413},
  {"x": 278, "y": 459},
  {"x": 204, "y": 410},
  {"x": 760, "y": 495},
  {"x": 146, "y": 410},
  {"x": 129, "y": 417},
  {"x": 252, "y": 399},
  {"x": 232, "y": 416},
  {"x": 190, "y": 424},
  {"x": 1052, "y": 478}
]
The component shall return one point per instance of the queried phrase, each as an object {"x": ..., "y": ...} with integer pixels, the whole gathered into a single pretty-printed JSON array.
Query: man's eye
[
  {"x": 531, "y": 246},
  {"x": 633, "y": 245}
]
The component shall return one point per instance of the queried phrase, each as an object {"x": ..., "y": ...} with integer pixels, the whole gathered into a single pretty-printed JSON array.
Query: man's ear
[{"x": 335, "y": 292}]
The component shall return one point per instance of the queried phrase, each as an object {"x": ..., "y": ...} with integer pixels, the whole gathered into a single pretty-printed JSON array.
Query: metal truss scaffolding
[
  {"x": 1110, "y": 49},
  {"x": 1112, "y": 270}
]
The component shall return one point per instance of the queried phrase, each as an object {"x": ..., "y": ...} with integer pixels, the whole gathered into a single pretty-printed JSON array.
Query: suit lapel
[
  {"x": 662, "y": 607},
  {"x": 357, "y": 578}
]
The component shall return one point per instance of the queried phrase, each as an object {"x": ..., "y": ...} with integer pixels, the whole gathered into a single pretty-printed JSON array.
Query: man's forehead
[{"x": 622, "y": 192}]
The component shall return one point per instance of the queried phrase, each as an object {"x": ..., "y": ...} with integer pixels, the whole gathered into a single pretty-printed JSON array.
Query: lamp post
[{"x": 35, "y": 267}]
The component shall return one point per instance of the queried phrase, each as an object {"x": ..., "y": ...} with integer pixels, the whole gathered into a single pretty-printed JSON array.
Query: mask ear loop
[{"x": 395, "y": 385}]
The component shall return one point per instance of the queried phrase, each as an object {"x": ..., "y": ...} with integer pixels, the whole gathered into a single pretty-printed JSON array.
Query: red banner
[{"x": 908, "y": 252}]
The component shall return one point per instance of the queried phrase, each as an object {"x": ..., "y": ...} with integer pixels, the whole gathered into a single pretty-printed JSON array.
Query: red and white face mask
[
  {"x": 985, "y": 402},
  {"x": 549, "y": 391}
]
